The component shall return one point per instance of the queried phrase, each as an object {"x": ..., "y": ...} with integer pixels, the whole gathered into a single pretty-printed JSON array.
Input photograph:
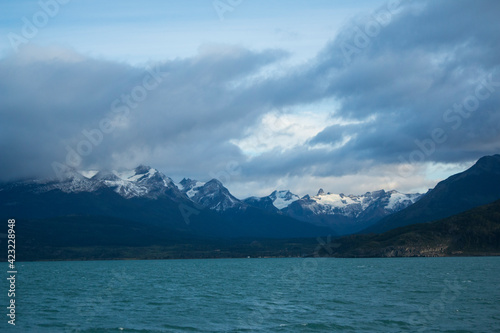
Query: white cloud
[
  {"x": 281, "y": 131},
  {"x": 288, "y": 128}
]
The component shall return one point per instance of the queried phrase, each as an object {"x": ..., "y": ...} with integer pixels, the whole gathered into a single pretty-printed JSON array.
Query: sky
[{"x": 348, "y": 96}]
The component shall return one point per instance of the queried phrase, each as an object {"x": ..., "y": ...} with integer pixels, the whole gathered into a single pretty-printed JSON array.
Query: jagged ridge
[{"x": 342, "y": 213}]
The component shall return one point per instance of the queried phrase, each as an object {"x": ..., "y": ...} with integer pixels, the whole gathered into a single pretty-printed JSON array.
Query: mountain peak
[
  {"x": 280, "y": 193},
  {"x": 378, "y": 194},
  {"x": 142, "y": 169},
  {"x": 215, "y": 181},
  {"x": 212, "y": 194},
  {"x": 282, "y": 198},
  {"x": 489, "y": 163},
  {"x": 187, "y": 184},
  {"x": 320, "y": 192}
]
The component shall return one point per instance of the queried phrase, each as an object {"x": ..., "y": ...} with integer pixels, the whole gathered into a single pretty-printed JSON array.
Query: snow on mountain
[
  {"x": 145, "y": 181},
  {"x": 190, "y": 187},
  {"x": 330, "y": 204},
  {"x": 339, "y": 200},
  {"x": 124, "y": 186},
  {"x": 212, "y": 194},
  {"x": 282, "y": 199},
  {"x": 347, "y": 214},
  {"x": 73, "y": 182},
  {"x": 399, "y": 201},
  {"x": 354, "y": 205},
  {"x": 139, "y": 182}
]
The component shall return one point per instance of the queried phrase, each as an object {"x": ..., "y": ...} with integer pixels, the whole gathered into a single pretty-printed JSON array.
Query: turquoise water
[{"x": 258, "y": 295}]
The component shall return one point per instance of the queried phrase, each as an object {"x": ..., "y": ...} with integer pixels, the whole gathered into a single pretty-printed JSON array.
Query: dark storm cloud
[
  {"x": 48, "y": 102},
  {"x": 397, "y": 83},
  {"x": 44, "y": 103},
  {"x": 408, "y": 75}
]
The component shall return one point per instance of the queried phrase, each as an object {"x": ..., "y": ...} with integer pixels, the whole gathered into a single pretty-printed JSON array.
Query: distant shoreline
[{"x": 470, "y": 255}]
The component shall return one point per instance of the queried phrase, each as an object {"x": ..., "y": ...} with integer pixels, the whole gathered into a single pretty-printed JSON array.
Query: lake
[{"x": 258, "y": 295}]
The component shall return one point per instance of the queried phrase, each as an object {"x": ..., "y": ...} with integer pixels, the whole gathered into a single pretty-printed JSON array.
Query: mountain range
[
  {"x": 143, "y": 207},
  {"x": 147, "y": 194},
  {"x": 345, "y": 214}
]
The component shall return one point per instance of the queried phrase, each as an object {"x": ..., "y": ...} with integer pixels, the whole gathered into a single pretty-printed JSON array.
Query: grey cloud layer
[
  {"x": 188, "y": 117},
  {"x": 430, "y": 56}
]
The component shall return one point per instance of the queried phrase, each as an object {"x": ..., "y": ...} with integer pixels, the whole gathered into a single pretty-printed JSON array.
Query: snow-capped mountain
[
  {"x": 354, "y": 205},
  {"x": 142, "y": 181},
  {"x": 145, "y": 181},
  {"x": 144, "y": 197},
  {"x": 212, "y": 194},
  {"x": 343, "y": 213},
  {"x": 273, "y": 202},
  {"x": 349, "y": 213},
  {"x": 282, "y": 199}
]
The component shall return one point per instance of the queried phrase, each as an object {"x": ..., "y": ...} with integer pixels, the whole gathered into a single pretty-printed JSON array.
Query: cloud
[
  {"x": 407, "y": 77},
  {"x": 431, "y": 56},
  {"x": 422, "y": 86},
  {"x": 49, "y": 102}
]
